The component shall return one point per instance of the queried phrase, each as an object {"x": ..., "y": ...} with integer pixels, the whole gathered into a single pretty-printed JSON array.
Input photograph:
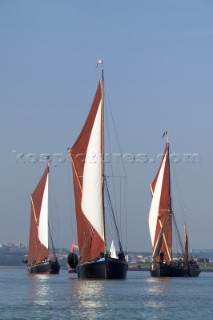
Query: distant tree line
[{"x": 11, "y": 259}]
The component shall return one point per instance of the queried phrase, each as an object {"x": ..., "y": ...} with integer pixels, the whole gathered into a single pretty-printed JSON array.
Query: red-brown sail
[
  {"x": 160, "y": 211},
  {"x": 37, "y": 250},
  {"x": 91, "y": 240}
]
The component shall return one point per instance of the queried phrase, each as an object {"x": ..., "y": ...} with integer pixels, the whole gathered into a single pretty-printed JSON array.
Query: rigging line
[
  {"x": 113, "y": 121},
  {"x": 55, "y": 204},
  {"x": 51, "y": 239},
  {"x": 113, "y": 181},
  {"x": 119, "y": 147},
  {"x": 69, "y": 187},
  {"x": 113, "y": 215},
  {"x": 179, "y": 193},
  {"x": 123, "y": 208},
  {"x": 123, "y": 205},
  {"x": 109, "y": 221},
  {"x": 110, "y": 234},
  {"x": 109, "y": 208},
  {"x": 176, "y": 242},
  {"x": 178, "y": 234}
]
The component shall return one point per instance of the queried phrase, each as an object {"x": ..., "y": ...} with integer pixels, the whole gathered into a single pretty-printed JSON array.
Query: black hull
[
  {"x": 173, "y": 270},
  {"x": 105, "y": 268},
  {"x": 47, "y": 267}
]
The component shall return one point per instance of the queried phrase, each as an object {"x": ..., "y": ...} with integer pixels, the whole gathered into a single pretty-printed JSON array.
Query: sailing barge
[
  {"x": 39, "y": 259},
  {"x": 161, "y": 219},
  {"x": 87, "y": 158}
]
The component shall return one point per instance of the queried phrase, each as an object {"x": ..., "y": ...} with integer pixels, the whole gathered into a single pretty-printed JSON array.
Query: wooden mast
[
  {"x": 170, "y": 198},
  {"x": 102, "y": 146}
]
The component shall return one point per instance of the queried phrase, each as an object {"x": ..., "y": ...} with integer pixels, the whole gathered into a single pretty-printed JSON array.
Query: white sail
[
  {"x": 112, "y": 250},
  {"x": 43, "y": 220},
  {"x": 92, "y": 202},
  {"x": 153, "y": 214}
]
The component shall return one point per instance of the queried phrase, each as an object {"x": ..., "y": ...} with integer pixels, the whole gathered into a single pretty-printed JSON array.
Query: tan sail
[
  {"x": 87, "y": 162},
  {"x": 38, "y": 241},
  {"x": 161, "y": 209}
]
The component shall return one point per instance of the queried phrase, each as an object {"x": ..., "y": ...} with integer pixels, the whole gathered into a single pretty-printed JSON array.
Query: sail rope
[
  {"x": 111, "y": 166},
  {"x": 123, "y": 166},
  {"x": 182, "y": 207},
  {"x": 113, "y": 216},
  {"x": 179, "y": 193},
  {"x": 51, "y": 240},
  {"x": 178, "y": 234},
  {"x": 53, "y": 203},
  {"x": 71, "y": 204}
]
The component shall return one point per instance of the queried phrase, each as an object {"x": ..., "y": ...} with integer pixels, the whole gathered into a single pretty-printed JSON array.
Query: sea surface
[{"x": 63, "y": 296}]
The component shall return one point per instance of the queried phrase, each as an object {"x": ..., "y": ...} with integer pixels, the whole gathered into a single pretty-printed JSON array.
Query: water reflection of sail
[
  {"x": 39, "y": 289},
  {"x": 159, "y": 287},
  {"x": 88, "y": 295}
]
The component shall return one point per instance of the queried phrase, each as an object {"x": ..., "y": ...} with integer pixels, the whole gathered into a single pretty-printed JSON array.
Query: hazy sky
[{"x": 158, "y": 58}]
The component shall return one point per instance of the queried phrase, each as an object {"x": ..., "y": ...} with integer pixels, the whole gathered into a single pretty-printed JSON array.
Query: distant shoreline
[
  {"x": 129, "y": 269},
  {"x": 147, "y": 269},
  {"x": 12, "y": 267}
]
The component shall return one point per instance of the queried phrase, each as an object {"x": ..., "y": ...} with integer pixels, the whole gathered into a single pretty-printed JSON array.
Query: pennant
[{"x": 164, "y": 134}]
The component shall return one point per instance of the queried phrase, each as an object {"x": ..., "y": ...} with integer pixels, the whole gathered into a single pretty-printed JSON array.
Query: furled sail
[
  {"x": 112, "y": 250},
  {"x": 160, "y": 210},
  {"x": 38, "y": 242},
  {"x": 86, "y": 157},
  {"x": 186, "y": 249}
]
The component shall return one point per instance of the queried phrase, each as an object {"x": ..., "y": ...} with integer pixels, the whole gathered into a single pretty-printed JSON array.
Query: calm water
[{"x": 139, "y": 297}]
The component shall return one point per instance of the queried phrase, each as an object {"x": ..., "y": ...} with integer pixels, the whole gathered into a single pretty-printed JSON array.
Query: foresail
[
  {"x": 155, "y": 205},
  {"x": 43, "y": 221},
  {"x": 86, "y": 157},
  {"x": 92, "y": 202},
  {"x": 161, "y": 208},
  {"x": 38, "y": 243}
]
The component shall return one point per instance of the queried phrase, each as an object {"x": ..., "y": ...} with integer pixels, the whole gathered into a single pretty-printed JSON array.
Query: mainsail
[
  {"x": 160, "y": 219},
  {"x": 38, "y": 241},
  {"x": 87, "y": 162}
]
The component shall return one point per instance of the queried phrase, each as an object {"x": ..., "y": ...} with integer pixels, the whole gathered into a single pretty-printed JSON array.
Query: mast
[
  {"x": 102, "y": 144},
  {"x": 170, "y": 198}
]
